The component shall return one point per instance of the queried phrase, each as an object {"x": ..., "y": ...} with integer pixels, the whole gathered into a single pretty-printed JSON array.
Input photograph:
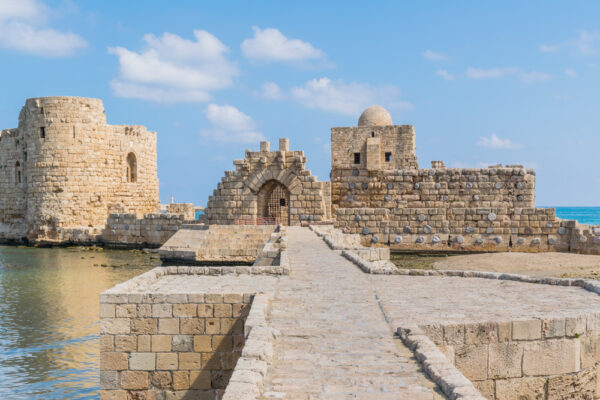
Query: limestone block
[
  {"x": 527, "y": 329},
  {"x": 505, "y": 360},
  {"x": 551, "y": 357},
  {"x": 472, "y": 361},
  {"x": 142, "y": 361},
  {"x": 521, "y": 388},
  {"x": 581, "y": 385}
]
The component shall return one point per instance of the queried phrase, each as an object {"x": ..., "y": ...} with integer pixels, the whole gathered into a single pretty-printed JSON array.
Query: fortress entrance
[{"x": 274, "y": 203}]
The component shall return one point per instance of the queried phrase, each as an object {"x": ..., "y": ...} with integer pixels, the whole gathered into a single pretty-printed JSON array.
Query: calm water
[
  {"x": 585, "y": 215},
  {"x": 49, "y": 318}
]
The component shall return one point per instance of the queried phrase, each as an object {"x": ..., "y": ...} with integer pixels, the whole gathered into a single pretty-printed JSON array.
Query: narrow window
[
  {"x": 131, "y": 168},
  {"x": 19, "y": 176},
  {"x": 356, "y": 158},
  {"x": 73, "y": 131},
  {"x": 17, "y": 172},
  {"x": 25, "y": 156},
  {"x": 42, "y": 132},
  {"x": 282, "y": 202},
  {"x": 372, "y": 134},
  {"x": 388, "y": 156}
]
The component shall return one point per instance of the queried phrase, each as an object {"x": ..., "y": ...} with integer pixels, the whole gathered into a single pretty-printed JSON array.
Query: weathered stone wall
[
  {"x": 187, "y": 209},
  {"x": 153, "y": 230},
  {"x": 174, "y": 345},
  {"x": 530, "y": 358},
  {"x": 64, "y": 168},
  {"x": 237, "y": 197}
]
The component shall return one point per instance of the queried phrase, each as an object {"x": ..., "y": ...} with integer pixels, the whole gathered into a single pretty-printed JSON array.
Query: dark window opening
[
  {"x": 131, "y": 168},
  {"x": 282, "y": 202},
  {"x": 17, "y": 172},
  {"x": 356, "y": 158},
  {"x": 388, "y": 156},
  {"x": 18, "y": 176},
  {"x": 25, "y": 156},
  {"x": 42, "y": 132},
  {"x": 372, "y": 134},
  {"x": 41, "y": 110}
]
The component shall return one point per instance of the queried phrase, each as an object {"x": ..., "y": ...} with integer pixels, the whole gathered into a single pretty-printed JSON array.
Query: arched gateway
[{"x": 274, "y": 203}]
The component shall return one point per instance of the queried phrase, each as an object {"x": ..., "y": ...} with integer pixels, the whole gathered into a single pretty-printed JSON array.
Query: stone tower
[{"x": 63, "y": 170}]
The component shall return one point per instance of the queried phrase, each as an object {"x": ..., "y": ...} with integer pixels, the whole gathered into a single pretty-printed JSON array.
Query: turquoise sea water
[{"x": 584, "y": 215}]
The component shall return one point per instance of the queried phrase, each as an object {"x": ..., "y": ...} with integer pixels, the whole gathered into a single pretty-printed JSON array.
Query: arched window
[
  {"x": 131, "y": 168},
  {"x": 17, "y": 172}
]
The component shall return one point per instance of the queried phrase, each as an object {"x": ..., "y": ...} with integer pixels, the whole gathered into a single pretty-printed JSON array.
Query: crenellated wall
[{"x": 64, "y": 168}]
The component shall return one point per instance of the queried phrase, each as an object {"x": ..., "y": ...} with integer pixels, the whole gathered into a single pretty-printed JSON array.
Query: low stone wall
[
  {"x": 555, "y": 357},
  {"x": 151, "y": 231},
  {"x": 187, "y": 209},
  {"x": 175, "y": 345}
]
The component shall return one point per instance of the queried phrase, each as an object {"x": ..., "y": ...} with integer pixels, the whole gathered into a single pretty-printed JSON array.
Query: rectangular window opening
[
  {"x": 356, "y": 158},
  {"x": 388, "y": 156},
  {"x": 282, "y": 202},
  {"x": 42, "y": 132}
]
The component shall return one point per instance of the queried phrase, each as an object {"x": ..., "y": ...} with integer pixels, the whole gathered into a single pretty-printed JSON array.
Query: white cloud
[
  {"x": 271, "y": 45},
  {"x": 494, "y": 142},
  {"x": 271, "y": 91},
  {"x": 346, "y": 98},
  {"x": 433, "y": 56},
  {"x": 491, "y": 73},
  {"x": 585, "y": 43},
  {"x": 174, "y": 69},
  {"x": 496, "y": 73},
  {"x": 571, "y": 73},
  {"x": 445, "y": 74},
  {"x": 534, "y": 76},
  {"x": 20, "y": 30},
  {"x": 230, "y": 125}
]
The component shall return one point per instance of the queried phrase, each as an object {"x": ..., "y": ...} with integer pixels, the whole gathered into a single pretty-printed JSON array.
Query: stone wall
[
  {"x": 243, "y": 194},
  {"x": 64, "y": 168},
  {"x": 529, "y": 358},
  {"x": 187, "y": 209},
  {"x": 153, "y": 230},
  {"x": 170, "y": 346}
]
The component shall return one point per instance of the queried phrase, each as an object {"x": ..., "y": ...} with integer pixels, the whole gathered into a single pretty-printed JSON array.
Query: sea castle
[{"x": 285, "y": 289}]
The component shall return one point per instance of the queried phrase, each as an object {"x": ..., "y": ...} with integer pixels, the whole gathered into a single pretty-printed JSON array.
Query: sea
[{"x": 49, "y": 325}]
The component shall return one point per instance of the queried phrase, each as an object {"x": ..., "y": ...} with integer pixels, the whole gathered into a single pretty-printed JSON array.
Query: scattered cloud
[
  {"x": 174, "y": 69},
  {"x": 433, "y": 56},
  {"x": 571, "y": 73},
  {"x": 585, "y": 43},
  {"x": 491, "y": 73},
  {"x": 496, "y": 73},
  {"x": 494, "y": 142},
  {"x": 228, "y": 124},
  {"x": 346, "y": 98},
  {"x": 534, "y": 76},
  {"x": 445, "y": 74},
  {"x": 271, "y": 45},
  {"x": 21, "y": 29},
  {"x": 271, "y": 91}
]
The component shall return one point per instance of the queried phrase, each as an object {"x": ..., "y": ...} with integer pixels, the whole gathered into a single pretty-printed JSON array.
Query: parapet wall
[
  {"x": 153, "y": 230},
  {"x": 64, "y": 168}
]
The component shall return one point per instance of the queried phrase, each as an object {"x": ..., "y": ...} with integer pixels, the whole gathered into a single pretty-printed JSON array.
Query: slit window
[
  {"x": 42, "y": 132},
  {"x": 356, "y": 158},
  {"x": 372, "y": 134},
  {"x": 131, "y": 168},
  {"x": 388, "y": 156},
  {"x": 282, "y": 202}
]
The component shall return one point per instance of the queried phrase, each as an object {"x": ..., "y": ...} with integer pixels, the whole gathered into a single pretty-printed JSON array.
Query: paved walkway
[{"x": 335, "y": 342}]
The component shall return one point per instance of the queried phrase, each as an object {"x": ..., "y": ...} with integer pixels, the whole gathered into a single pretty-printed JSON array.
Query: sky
[{"x": 483, "y": 83}]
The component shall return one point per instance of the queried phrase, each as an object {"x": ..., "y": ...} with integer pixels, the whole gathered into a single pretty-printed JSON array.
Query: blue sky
[{"x": 483, "y": 83}]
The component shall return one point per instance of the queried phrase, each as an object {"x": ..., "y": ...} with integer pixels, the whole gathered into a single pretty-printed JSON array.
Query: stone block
[
  {"x": 190, "y": 361},
  {"x": 167, "y": 361},
  {"x": 590, "y": 349},
  {"x": 454, "y": 334},
  {"x": 126, "y": 311},
  {"x": 182, "y": 343},
  {"x": 181, "y": 380},
  {"x": 222, "y": 310},
  {"x": 486, "y": 388},
  {"x": 505, "y": 360},
  {"x": 161, "y": 380},
  {"x": 142, "y": 361},
  {"x": 144, "y": 343},
  {"x": 184, "y": 310},
  {"x": 134, "y": 380},
  {"x": 575, "y": 326},
  {"x": 107, "y": 310},
  {"x": 205, "y": 310},
  {"x": 107, "y": 343},
  {"x": 521, "y": 388},
  {"x": 551, "y": 357},
  {"x": 553, "y": 327},
  {"x": 162, "y": 310},
  {"x": 115, "y": 326},
  {"x": 113, "y": 361},
  {"x": 200, "y": 379},
  {"x": 143, "y": 326},
  {"x": 126, "y": 343},
  {"x": 169, "y": 326},
  {"x": 581, "y": 385},
  {"x": 472, "y": 361},
  {"x": 109, "y": 380},
  {"x": 192, "y": 326},
  {"x": 161, "y": 343},
  {"x": 113, "y": 395},
  {"x": 526, "y": 329},
  {"x": 481, "y": 333},
  {"x": 202, "y": 344}
]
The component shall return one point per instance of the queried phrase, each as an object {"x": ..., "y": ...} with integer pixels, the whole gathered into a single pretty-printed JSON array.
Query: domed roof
[{"x": 375, "y": 116}]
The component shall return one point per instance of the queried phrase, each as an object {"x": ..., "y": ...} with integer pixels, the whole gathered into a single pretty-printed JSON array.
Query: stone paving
[{"x": 334, "y": 341}]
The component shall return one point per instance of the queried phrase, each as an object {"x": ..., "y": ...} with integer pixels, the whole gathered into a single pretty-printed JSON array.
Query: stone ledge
[{"x": 246, "y": 382}]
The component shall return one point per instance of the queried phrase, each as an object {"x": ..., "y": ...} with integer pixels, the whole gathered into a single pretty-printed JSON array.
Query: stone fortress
[
  {"x": 64, "y": 170},
  {"x": 378, "y": 191}
]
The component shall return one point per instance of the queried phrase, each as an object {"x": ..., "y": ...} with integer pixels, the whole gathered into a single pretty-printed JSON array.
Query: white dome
[{"x": 375, "y": 116}]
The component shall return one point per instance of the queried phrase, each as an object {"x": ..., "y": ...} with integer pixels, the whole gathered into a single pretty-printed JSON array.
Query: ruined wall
[
  {"x": 73, "y": 169},
  {"x": 238, "y": 195},
  {"x": 152, "y": 230},
  {"x": 187, "y": 209}
]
